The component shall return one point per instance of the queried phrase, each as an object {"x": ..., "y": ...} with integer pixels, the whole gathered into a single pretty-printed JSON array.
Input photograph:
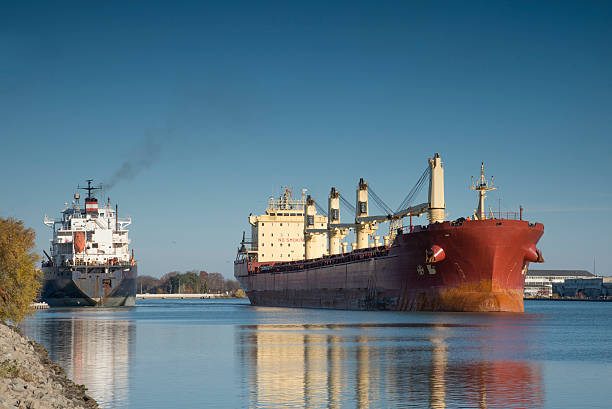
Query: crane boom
[{"x": 411, "y": 211}]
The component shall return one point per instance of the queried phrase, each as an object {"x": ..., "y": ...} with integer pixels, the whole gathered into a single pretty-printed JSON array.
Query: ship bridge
[{"x": 89, "y": 236}]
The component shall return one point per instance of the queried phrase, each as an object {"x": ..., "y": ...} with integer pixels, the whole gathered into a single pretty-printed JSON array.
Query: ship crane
[
  {"x": 365, "y": 225},
  {"x": 435, "y": 207}
]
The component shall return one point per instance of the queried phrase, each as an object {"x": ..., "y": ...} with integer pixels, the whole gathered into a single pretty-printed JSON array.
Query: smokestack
[{"x": 116, "y": 217}]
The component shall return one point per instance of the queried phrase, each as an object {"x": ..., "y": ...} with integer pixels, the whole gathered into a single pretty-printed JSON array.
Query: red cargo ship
[{"x": 475, "y": 264}]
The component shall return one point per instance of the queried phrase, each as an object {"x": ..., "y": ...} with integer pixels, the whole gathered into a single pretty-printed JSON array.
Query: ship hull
[
  {"x": 101, "y": 287},
  {"x": 483, "y": 271}
]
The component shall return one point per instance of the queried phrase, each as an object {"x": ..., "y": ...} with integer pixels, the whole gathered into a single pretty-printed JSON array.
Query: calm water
[{"x": 228, "y": 354}]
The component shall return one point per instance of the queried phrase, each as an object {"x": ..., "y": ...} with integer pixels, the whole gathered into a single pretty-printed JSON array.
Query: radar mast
[
  {"x": 89, "y": 188},
  {"x": 482, "y": 186}
]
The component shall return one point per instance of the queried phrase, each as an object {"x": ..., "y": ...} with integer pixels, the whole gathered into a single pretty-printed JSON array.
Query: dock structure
[
  {"x": 567, "y": 284},
  {"x": 40, "y": 305},
  {"x": 179, "y": 296}
]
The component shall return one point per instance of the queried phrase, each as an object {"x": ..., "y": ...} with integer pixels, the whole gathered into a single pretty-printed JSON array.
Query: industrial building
[{"x": 566, "y": 283}]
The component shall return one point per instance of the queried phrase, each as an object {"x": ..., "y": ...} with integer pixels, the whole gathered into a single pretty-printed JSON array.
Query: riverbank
[{"x": 29, "y": 379}]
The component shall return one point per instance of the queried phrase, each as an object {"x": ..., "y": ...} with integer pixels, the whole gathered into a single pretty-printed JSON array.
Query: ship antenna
[
  {"x": 482, "y": 186},
  {"x": 89, "y": 188}
]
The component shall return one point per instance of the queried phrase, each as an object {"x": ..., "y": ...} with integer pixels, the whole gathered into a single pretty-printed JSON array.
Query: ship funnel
[
  {"x": 91, "y": 205},
  {"x": 437, "y": 205}
]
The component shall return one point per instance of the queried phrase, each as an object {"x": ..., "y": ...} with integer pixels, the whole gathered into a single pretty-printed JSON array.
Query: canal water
[{"x": 228, "y": 354}]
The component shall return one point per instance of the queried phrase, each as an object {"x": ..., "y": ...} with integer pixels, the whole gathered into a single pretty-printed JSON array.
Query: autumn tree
[{"x": 19, "y": 278}]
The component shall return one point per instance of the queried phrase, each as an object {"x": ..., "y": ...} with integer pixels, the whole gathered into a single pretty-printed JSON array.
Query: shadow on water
[{"x": 365, "y": 365}]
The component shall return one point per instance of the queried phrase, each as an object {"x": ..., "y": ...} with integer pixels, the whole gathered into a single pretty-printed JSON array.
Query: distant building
[
  {"x": 539, "y": 283},
  {"x": 579, "y": 287},
  {"x": 594, "y": 288}
]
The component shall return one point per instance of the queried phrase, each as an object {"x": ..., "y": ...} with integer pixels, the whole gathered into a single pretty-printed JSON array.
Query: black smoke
[{"x": 142, "y": 158}]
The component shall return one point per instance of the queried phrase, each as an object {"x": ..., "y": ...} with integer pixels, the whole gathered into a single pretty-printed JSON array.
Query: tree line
[{"x": 190, "y": 282}]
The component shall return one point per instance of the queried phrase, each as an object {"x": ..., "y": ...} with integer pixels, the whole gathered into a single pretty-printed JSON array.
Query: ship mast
[
  {"x": 481, "y": 187},
  {"x": 89, "y": 188}
]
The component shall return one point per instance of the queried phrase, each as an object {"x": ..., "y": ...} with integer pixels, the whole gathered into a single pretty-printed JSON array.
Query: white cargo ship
[{"x": 89, "y": 262}]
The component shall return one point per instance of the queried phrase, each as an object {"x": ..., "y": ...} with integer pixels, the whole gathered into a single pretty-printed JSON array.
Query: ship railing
[
  {"x": 353, "y": 256},
  {"x": 410, "y": 229},
  {"x": 504, "y": 215},
  {"x": 107, "y": 263}
]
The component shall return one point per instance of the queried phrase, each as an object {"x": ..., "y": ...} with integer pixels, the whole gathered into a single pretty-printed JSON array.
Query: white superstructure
[
  {"x": 90, "y": 236},
  {"x": 278, "y": 234}
]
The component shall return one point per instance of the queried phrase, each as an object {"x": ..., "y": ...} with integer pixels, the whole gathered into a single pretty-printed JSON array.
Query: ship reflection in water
[
  {"x": 385, "y": 365},
  {"x": 94, "y": 349}
]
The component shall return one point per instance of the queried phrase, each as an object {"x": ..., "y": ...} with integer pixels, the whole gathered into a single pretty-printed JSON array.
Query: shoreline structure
[{"x": 29, "y": 379}]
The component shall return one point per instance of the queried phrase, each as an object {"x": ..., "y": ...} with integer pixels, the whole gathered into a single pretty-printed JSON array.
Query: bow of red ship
[{"x": 471, "y": 265}]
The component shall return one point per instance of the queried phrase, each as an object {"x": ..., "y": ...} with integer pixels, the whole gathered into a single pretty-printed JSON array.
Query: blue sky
[{"x": 218, "y": 105}]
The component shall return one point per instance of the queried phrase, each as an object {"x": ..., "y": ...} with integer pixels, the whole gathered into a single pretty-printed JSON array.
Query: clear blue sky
[{"x": 219, "y": 105}]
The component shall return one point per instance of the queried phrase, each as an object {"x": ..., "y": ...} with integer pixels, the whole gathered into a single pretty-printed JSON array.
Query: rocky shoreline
[{"x": 29, "y": 379}]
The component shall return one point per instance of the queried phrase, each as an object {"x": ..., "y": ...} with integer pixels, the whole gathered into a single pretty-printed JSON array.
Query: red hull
[{"x": 481, "y": 267}]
